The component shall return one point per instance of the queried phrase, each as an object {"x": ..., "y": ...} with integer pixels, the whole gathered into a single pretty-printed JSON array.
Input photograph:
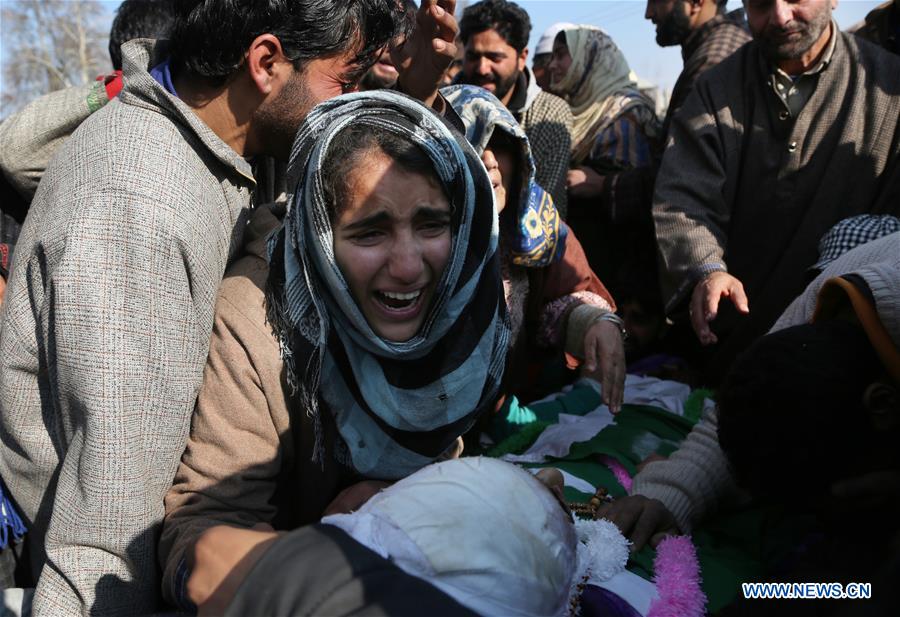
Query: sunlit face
[
  {"x": 540, "y": 71},
  {"x": 492, "y": 63},
  {"x": 560, "y": 61},
  {"x": 392, "y": 241},
  {"x": 787, "y": 29},
  {"x": 277, "y": 118},
  {"x": 671, "y": 19},
  {"x": 383, "y": 74}
]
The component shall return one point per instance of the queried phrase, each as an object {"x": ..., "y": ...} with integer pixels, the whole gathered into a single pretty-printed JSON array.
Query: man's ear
[
  {"x": 263, "y": 55},
  {"x": 695, "y": 6},
  {"x": 523, "y": 56},
  {"x": 882, "y": 402}
]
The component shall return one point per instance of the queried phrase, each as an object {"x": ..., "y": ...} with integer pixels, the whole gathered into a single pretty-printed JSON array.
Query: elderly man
[
  {"x": 794, "y": 132},
  {"x": 109, "y": 308},
  {"x": 495, "y": 35}
]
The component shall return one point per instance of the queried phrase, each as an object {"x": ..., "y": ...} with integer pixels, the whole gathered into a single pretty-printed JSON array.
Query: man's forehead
[{"x": 487, "y": 40}]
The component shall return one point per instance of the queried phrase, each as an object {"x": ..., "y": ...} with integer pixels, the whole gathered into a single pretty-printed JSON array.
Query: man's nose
[
  {"x": 782, "y": 13},
  {"x": 484, "y": 67},
  {"x": 648, "y": 11}
]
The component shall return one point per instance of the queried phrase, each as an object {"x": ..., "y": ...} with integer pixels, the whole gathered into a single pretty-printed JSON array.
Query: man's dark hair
[
  {"x": 509, "y": 20},
  {"x": 791, "y": 413},
  {"x": 139, "y": 19},
  {"x": 211, "y": 36},
  {"x": 721, "y": 6}
]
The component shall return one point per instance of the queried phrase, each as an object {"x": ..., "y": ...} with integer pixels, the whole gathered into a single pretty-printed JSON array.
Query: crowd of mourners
[{"x": 275, "y": 289}]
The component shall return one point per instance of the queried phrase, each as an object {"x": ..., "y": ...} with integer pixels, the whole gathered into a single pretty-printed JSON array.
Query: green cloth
[
  {"x": 513, "y": 416},
  {"x": 732, "y": 547}
]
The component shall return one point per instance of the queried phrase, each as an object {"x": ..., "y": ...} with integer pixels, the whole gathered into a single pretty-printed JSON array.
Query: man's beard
[
  {"x": 676, "y": 27},
  {"x": 776, "y": 48},
  {"x": 373, "y": 81},
  {"x": 502, "y": 86},
  {"x": 277, "y": 123}
]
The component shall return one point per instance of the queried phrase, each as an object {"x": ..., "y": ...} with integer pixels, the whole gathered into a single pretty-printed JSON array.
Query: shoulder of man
[
  {"x": 881, "y": 65},
  {"x": 728, "y": 77},
  {"x": 548, "y": 104}
]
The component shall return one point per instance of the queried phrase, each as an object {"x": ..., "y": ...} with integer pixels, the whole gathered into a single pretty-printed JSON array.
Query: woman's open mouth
[{"x": 399, "y": 305}]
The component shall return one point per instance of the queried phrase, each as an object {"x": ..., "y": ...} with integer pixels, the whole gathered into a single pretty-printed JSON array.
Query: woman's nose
[{"x": 405, "y": 262}]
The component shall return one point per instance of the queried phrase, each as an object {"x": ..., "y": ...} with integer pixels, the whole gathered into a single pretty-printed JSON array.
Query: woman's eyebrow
[
  {"x": 380, "y": 218},
  {"x": 433, "y": 213},
  {"x": 375, "y": 219}
]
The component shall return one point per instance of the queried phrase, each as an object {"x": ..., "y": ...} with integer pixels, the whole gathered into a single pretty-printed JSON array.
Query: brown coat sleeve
[
  {"x": 572, "y": 273},
  {"x": 240, "y": 433}
]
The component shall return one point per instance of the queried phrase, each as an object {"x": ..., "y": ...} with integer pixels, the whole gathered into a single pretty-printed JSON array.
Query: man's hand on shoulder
[
  {"x": 705, "y": 302},
  {"x": 422, "y": 58},
  {"x": 640, "y": 519}
]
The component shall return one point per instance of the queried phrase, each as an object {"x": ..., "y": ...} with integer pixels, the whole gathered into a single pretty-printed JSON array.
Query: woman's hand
[
  {"x": 604, "y": 361},
  {"x": 353, "y": 497},
  {"x": 584, "y": 183},
  {"x": 493, "y": 169},
  {"x": 219, "y": 561}
]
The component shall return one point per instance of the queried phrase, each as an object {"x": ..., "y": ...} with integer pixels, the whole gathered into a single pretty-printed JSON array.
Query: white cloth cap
[
  {"x": 545, "y": 44},
  {"x": 494, "y": 538},
  {"x": 484, "y": 531}
]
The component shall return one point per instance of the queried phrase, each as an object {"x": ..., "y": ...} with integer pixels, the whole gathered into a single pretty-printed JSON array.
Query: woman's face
[
  {"x": 560, "y": 60},
  {"x": 392, "y": 242}
]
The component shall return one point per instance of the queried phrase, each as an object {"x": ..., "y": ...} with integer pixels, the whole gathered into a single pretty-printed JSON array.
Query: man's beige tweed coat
[{"x": 104, "y": 335}]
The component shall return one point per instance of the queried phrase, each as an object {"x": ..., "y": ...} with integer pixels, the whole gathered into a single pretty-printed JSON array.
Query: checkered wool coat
[{"x": 104, "y": 334}]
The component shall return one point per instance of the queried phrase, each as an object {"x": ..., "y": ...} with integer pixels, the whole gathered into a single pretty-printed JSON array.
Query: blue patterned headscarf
[
  {"x": 540, "y": 233},
  {"x": 397, "y": 405}
]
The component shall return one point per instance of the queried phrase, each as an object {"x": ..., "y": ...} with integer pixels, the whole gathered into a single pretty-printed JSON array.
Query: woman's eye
[
  {"x": 349, "y": 86},
  {"x": 367, "y": 237},
  {"x": 435, "y": 228}
]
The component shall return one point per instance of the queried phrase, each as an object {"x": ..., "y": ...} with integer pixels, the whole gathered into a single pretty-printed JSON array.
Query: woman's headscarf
[
  {"x": 396, "y": 405},
  {"x": 599, "y": 86},
  {"x": 539, "y": 236}
]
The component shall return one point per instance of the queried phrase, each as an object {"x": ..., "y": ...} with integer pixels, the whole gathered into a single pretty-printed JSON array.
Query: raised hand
[{"x": 422, "y": 58}]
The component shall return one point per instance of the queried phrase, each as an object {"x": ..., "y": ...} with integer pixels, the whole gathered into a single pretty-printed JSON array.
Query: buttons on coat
[
  {"x": 783, "y": 115},
  {"x": 792, "y": 147}
]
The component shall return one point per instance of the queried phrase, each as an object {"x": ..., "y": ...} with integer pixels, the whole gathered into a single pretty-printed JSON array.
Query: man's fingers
[
  {"x": 445, "y": 22},
  {"x": 739, "y": 296},
  {"x": 711, "y": 297},
  {"x": 645, "y": 527},
  {"x": 698, "y": 319},
  {"x": 659, "y": 537}
]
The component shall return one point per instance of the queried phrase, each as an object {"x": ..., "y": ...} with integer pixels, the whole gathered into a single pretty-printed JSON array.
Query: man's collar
[
  {"x": 696, "y": 38},
  {"x": 520, "y": 94}
]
